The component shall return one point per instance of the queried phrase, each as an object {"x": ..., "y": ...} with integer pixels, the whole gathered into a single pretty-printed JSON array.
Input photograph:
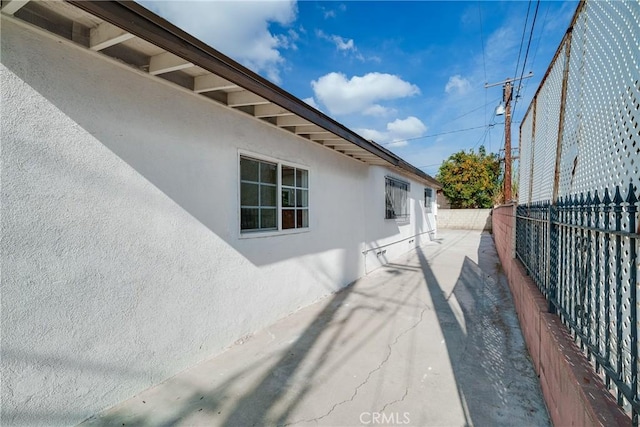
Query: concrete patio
[{"x": 431, "y": 339}]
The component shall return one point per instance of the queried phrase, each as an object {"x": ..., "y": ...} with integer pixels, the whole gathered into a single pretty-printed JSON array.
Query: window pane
[
  {"x": 396, "y": 199},
  {"x": 287, "y": 176},
  {"x": 389, "y": 214},
  {"x": 268, "y": 218},
  {"x": 249, "y": 194},
  {"x": 288, "y": 218},
  {"x": 302, "y": 198},
  {"x": 268, "y": 195},
  {"x": 268, "y": 173},
  {"x": 303, "y": 218},
  {"x": 249, "y": 219},
  {"x": 288, "y": 198},
  {"x": 248, "y": 169},
  {"x": 302, "y": 178}
]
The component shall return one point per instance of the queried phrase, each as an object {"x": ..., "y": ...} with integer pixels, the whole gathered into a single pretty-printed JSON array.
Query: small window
[
  {"x": 428, "y": 199},
  {"x": 295, "y": 198},
  {"x": 258, "y": 189},
  {"x": 397, "y": 199},
  {"x": 260, "y": 183}
]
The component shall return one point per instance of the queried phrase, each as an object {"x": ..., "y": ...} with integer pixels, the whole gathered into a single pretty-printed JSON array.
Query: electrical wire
[
  {"x": 535, "y": 52},
  {"x": 475, "y": 109},
  {"x": 544, "y": 24},
  {"x": 447, "y": 132},
  {"x": 526, "y": 56},
  {"x": 524, "y": 32},
  {"x": 484, "y": 63},
  {"x": 432, "y": 135}
]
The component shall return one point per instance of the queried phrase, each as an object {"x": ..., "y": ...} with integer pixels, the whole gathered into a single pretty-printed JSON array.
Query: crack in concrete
[
  {"x": 406, "y": 392},
  {"x": 355, "y": 392}
]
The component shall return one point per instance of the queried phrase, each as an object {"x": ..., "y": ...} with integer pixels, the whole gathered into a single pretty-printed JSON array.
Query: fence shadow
[{"x": 494, "y": 377}]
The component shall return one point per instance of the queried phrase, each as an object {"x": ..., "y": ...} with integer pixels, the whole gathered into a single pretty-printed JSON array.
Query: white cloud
[
  {"x": 397, "y": 132},
  {"x": 331, "y": 13},
  {"x": 341, "y": 43},
  {"x": 398, "y": 143},
  {"x": 457, "y": 85},
  {"x": 411, "y": 127},
  {"x": 372, "y": 134},
  {"x": 216, "y": 23},
  {"x": 342, "y": 96},
  {"x": 378, "y": 110},
  {"x": 311, "y": 102}
]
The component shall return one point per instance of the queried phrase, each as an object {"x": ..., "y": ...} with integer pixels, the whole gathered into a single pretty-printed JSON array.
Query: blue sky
[{"x": 408, "y": 74}]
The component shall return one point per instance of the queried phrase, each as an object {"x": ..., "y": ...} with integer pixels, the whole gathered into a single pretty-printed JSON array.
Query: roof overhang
[{"x": 131, "y": 33}]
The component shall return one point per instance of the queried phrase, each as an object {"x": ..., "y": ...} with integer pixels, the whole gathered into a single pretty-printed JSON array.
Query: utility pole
[
  {"x": 506, "y": 98},
  {"x": 507, "y": 91}
]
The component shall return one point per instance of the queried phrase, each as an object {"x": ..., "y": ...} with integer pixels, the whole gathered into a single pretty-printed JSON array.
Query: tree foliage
[{"x": 469, "y": 179}]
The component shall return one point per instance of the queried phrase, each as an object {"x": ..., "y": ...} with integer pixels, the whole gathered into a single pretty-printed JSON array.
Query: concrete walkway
[{"x": 429, "y": 340}]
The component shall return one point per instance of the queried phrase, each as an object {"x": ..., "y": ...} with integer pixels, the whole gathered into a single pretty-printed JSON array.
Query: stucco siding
[
  {"x": 122, "y": 259},
  {"x": 389, "y": 238}
]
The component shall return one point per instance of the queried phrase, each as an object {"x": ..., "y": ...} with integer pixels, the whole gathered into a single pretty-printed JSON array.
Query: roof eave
[{"x": 141, "y": 22}]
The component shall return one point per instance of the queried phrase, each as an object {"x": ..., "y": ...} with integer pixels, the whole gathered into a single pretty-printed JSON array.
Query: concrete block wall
[
  {"x": 574, "y": 394},
  {"x": 464, "y": 219}
]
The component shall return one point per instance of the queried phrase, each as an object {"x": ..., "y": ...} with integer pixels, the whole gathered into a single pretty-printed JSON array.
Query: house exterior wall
[
  {"x": 122, "y": 258},
  {"x": 387, "y": 239}
]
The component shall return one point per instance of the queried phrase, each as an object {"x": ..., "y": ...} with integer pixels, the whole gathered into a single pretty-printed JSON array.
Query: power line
[
  {"x": 486, "y": 132},
  {"x": 524, "y": 31},
  {"x": 526, "y": 56},
  {"x": 484, "y": 64},
  {"x": 475, "y": 109},
  {"x": 433, "y": 135},
  {"x": 540, "y": 33},
  {"x": 544, "y": 24}
]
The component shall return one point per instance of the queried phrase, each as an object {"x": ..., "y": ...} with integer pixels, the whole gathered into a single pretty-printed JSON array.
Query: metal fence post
[
  {"x": 552, "y": 250},
  {"x": 632, "y": 208},
  {"x": 606, "y": 200},
  {"x": 617, "y": 208},
  {"x": 597, "y": 208}
]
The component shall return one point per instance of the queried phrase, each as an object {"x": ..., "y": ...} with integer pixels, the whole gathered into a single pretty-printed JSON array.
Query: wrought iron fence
[{"x": 582, "y": 253}]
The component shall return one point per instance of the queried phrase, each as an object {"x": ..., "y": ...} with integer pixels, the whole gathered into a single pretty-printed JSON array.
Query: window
[
  {"x": 397, "y": 203},
  {"x": 260, "y": 183},
  {"x": 258, "y": 189},
  {"x": 295, "y": 198},
  {"x": 428, "y": 199}
]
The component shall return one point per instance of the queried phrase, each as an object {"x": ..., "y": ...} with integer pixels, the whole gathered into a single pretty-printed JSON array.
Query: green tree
[{"x": 469, "y": 179}]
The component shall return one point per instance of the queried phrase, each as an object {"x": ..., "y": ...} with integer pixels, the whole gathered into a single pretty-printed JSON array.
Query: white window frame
[
  {"x": 401, "y": 219},
  {"x": 256, "y": 234}
]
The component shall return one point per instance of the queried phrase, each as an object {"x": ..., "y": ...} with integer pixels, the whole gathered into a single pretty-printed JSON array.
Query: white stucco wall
[
  {"x": 121, "y": 257},
  {"x": 389, "y": 238}
]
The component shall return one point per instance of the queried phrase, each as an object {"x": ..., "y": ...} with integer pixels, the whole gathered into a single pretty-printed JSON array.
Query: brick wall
[{"x": 574, "y": 394}]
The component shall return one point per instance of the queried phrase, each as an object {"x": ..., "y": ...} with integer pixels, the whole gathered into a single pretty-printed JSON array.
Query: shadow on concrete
[
  {"x": 494, "y": 376},
  {"x": 273, "y": 399}
]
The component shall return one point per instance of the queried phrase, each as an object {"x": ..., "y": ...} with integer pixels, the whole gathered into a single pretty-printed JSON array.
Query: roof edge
[{"x": 143, "y": 23}]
